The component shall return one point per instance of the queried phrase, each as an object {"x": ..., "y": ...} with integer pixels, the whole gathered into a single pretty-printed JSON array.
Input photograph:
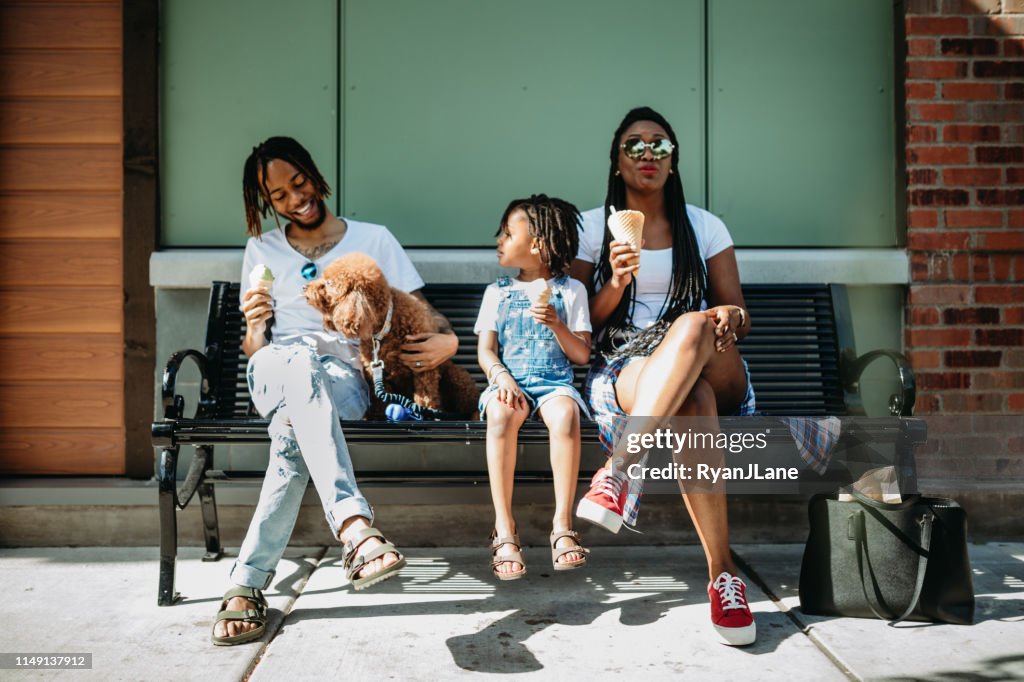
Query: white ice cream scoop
[{"x": 261, "y": 276}]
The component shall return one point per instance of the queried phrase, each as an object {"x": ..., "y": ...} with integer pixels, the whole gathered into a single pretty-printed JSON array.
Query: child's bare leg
[
  {"x": 562, "y": 416},
  {"x": 503, "y": 424}
]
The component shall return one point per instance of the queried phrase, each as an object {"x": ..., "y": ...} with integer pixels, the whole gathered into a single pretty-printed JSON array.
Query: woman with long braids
[{"x": 666, "y": 339}]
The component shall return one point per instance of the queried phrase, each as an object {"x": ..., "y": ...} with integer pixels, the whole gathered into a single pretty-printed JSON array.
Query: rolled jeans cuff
[
  {"x": 248, "y": 576},
  {"x": 346, "y": 509}
]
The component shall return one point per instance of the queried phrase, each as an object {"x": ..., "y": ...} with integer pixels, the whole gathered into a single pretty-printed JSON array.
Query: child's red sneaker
[{"x": 604, "y": 502}]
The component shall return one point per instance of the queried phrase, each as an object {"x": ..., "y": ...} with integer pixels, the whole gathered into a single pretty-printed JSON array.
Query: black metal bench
[{"x": 800, "y": 351}]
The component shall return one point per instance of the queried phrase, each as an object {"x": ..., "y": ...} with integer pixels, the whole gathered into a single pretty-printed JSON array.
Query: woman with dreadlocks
[
  {"x": 531, "y": 327},
  {"x": 667, "y": 336}
]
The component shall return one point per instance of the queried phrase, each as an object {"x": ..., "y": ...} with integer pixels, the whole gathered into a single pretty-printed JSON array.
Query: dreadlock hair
[
  {"x": 254, "y": 184},
  {"x": 555, "y": 223},
  {"x": 689, "y": 273}
]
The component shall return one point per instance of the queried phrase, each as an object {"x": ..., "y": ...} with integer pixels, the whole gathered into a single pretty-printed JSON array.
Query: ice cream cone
[
  {"x": 539, "y": 292},
  {"x": 627, "y": 226},
  {"x": 261, "y": 276}
]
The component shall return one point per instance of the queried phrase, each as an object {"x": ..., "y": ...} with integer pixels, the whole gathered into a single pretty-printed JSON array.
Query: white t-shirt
[
  {"x": 655, "y": 276},
  {"x": 295, "y": 321},
  {"x": 574, "y": 295}
]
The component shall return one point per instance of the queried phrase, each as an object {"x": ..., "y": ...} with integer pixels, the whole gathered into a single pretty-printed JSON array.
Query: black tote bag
[{"x": 896, "y": 562}]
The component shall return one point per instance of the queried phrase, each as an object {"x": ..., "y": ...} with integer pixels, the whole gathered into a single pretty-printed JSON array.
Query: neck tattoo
[{"x": 314, "y": 252}]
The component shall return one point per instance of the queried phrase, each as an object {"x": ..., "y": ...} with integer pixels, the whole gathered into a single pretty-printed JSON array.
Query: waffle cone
[
  {"x": 539, "y": 292},
  {"x": 627, "y": 226}
]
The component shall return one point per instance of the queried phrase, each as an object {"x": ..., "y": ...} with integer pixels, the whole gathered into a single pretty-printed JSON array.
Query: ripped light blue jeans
[{"x": 304, "y": 395}]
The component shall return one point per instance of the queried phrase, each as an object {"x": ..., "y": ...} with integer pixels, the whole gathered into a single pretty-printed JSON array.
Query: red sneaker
[
  {"x": 604, "y": 502},
  {"x": 730, "y": 614}
]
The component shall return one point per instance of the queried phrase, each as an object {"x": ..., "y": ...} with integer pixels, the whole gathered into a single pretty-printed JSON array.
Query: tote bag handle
[{"x": 859, "y": 535}]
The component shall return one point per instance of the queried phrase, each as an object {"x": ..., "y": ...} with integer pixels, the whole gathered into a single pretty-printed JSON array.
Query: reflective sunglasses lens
[
  {"x": 634, "y": 149},
  {"x": 308, "y": 271},
  {"x": 662, "y": 148}
]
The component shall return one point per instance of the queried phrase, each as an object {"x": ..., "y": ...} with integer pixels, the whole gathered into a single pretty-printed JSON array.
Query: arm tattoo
[{"x": 443, "y": 325}]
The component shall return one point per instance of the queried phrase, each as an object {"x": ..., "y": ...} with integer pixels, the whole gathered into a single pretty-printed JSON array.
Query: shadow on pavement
[{"x": 534, "y": 603}]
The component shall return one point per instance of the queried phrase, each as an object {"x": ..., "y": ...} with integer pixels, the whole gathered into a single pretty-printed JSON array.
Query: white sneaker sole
[
  {"x": 598, "y": 515},
  {"x": 737, "y": 636}
]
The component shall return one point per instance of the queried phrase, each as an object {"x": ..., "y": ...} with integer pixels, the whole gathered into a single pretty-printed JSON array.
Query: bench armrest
[
  {"x": 174, "y": 405},
  {"x": 900, "y": 404}
]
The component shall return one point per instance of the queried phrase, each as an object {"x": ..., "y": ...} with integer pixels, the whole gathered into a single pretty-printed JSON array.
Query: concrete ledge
[
  {"x": 42, "y": 514},
  {"x": 196, "y": 268},
  {"x": 115, "y": 492}
]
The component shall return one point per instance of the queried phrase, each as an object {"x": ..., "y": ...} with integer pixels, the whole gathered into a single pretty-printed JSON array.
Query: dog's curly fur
[{"x": 353, "y": 297}]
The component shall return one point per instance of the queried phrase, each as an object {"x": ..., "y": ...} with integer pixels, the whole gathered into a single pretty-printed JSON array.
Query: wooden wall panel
[
  {"x": 98, "y": 403},
  {"x": 81, "y": 357},
  {"x": 60, "y": 215},
  {"x": 38, "y": 24},
  {"x": 69, "y": 73},
  {"x": 60, "y": 311},
  {"x": 56, "y": 167},
  {"x": 61, "y": 120},
  {"x": 88, "y": 263},
  {"x": 61, "y": 451},
  {"x": 62, "y": 384}
]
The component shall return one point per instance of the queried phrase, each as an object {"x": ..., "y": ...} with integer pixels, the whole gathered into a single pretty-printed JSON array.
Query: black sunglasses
[{"x": 309, "y": 271}]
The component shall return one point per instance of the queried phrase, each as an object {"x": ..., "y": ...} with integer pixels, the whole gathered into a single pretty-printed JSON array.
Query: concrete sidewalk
[{"x": 636, "y": 612}]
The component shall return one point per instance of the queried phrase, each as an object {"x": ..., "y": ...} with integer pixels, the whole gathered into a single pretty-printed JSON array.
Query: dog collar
[{"x": 387, "y": 323}]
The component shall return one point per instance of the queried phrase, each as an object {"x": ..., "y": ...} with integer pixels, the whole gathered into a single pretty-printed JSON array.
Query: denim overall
[{"x": 530, "y": 351}]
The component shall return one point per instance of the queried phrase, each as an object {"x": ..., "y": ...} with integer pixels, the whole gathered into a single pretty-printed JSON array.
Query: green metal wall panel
[
  {"x": 233, "y": 74},
  {"x": 801, "y": 142},
  {"x": 452, "y": 109}
]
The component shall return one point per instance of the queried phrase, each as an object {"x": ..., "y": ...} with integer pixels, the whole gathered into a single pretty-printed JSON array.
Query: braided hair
[
  {"x": 258, "y": 204},
  {"x": 555, "y": 223},
  {"x": 689, "y": 272}
]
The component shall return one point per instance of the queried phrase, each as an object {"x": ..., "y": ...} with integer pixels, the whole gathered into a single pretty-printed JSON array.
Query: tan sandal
[
  {"x": 509, "y": 558},
  {"x": 354, "y": 562},
  {"x": 558, "y": 552}
]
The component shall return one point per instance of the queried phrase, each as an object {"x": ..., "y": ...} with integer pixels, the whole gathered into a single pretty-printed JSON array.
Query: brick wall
[{"x": 965, "y": 194}]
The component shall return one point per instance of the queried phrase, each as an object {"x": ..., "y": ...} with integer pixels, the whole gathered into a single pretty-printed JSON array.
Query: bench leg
[
  {"x": 208, "y": 506},
  {"x": 166, "y": 596}
]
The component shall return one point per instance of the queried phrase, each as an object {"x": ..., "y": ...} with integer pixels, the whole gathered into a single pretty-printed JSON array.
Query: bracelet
[
  {"x": 743, "y": 318},
  {"x": 487, "y": 373},
  {"x": 503, "y": 370}
]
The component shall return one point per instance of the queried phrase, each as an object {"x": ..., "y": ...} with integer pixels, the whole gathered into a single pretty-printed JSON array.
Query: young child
[{"x": 530, "y": 329}]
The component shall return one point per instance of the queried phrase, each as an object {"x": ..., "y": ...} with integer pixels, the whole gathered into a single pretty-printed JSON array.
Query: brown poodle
[{"x": 353, "y": 297}]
